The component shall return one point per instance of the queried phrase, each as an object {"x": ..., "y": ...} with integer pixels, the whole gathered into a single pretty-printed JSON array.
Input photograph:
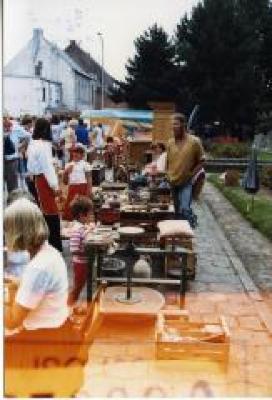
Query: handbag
[{"x": 198, "y": 181}]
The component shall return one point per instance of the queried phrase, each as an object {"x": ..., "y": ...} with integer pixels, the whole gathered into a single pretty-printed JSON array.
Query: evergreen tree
[
  {"x": 150, "y": 72},
  {"x": 218, "y": 52}
]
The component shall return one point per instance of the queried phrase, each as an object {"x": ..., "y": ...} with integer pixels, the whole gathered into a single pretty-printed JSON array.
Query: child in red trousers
[{"x": 77, "y": 174}]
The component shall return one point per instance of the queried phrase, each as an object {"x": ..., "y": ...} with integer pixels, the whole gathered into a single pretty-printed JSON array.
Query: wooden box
[
  {"x": 178, "y": 338},
  {"x": 53, "y": 365},
  {"x": 136, "y": 150}
]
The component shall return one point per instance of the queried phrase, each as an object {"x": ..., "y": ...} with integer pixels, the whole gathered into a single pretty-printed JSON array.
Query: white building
[{"x": 42, "y": 78}]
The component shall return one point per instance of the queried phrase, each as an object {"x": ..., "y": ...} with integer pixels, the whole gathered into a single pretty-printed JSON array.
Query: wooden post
[{"x": 162, "y": 125}]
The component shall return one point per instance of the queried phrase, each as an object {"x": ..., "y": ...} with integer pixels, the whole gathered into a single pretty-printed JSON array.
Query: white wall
[
  {"x": 56, "y": 69},
  {"x": 22, "y": 96},
  {"x": 22, "y": 63}
]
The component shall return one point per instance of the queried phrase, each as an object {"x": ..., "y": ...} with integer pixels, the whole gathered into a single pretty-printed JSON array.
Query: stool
[{"x": 178, "y": 233}]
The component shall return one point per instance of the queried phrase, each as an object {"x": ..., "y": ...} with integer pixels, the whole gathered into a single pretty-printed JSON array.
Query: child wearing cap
[{"x": 77, "y": 175}]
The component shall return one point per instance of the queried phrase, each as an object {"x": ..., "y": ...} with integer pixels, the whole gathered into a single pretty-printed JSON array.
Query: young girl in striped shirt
[{"x": 82, "y": 211}]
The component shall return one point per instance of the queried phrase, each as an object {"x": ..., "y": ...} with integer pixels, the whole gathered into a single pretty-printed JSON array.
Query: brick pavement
[
  {"x": 254, "y": 250},
  {"x": 222, "y": 287}
]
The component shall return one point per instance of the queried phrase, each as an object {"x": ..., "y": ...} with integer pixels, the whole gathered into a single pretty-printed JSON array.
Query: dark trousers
[
  {"x": 11, "y": 174},
  {"x": 32, "y": 189},
  {"x": 53, "y": 223}
]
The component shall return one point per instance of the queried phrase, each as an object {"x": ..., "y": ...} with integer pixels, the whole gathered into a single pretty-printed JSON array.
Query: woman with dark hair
[
  {"x": 41, "y": 169},
  {"x": 42, "y": 130}
]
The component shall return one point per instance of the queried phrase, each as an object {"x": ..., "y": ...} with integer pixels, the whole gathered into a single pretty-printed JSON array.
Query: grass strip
[{"x": 260, "y": 216}]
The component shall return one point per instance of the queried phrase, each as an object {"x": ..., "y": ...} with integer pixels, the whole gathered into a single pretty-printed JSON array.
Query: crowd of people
[{"x": 34, "y": 149}]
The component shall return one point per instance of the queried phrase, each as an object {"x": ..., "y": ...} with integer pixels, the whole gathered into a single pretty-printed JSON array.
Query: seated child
[
  {"x": 41, "y": 299},
  {"x": 78, "y": 176},
  {"x": 82, "y": 211}
]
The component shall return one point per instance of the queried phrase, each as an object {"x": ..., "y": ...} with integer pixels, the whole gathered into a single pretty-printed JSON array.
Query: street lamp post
[{"x": 102, "y": 72}]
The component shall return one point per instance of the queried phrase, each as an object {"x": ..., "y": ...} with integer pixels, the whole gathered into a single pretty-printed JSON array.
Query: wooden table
[
  {"x": 113, "y": 186},
  {"x": 147, "y": 216}
]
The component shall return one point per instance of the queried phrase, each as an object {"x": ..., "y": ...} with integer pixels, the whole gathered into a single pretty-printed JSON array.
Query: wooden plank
[
  {"x": 156, "y": 250},
  {"x": 147, "y": 281}
]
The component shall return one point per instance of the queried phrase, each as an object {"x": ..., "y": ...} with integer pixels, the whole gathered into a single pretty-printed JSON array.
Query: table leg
[
  {"x": 91, "y": 273},
  {"x": 183, "y": 280}
]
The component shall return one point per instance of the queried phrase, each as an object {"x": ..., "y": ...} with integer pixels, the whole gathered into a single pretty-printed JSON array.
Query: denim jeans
[{"x": 182, "y": 197}]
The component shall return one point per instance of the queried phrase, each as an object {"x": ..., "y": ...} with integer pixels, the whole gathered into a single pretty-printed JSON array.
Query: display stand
[{"x": 128, "y": 233}]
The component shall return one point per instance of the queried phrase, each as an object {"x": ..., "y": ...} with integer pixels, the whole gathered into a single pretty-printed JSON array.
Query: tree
[
  {"x": 264, "y": 102},
  {"x": 150, "y": 72},
  {"x": 218, "y": 52}
]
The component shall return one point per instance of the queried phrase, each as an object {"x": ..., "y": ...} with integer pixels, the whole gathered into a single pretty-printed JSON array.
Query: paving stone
[
  {"x": 236, "y": 310},
  {"x": 236, "y": 388},
  {"x": 250, "y": 337},
  {"x": 242, "y": 335},
  {"x": 196, "y": 287},
  {"x": 258, "y": 390},
  {"x": 216, "y": 297},
  {"x": 231, "y": 322},
  {"x": 211, "y": 318},
  {"x": 226, "y": 288},
  {"x": 201, "y": 307},
  {"x": 259, "y": 373},
  {"x": 256, "y": 251},
  {"x": 209, "y": 277},
  {"x": 251, "y": 323},
  {"x": 237, "y": 355}
]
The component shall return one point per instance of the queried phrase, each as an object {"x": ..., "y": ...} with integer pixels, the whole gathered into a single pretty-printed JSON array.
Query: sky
[{"x": 120, "y": 22}]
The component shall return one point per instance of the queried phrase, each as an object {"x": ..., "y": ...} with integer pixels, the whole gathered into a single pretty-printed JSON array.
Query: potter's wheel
[
  {"x": 122, "y": 298},
  {"x": 130, "y": 231},
  {"x": 144, "y": 301}
]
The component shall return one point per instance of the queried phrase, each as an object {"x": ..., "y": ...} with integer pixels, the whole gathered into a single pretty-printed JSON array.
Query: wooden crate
[
  {"x": 51, "y": 366},
  {"x": 136, "y": 150},
  {"x": 177, "y": 338}
]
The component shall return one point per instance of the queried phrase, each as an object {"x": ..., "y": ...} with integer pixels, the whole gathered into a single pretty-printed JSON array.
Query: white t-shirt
[
  {"x": 161, "y": 162},
  {"x": 40, "y": 161},
  {"x": 78, "y": 174},
  {"x": 44, "y": 290}
]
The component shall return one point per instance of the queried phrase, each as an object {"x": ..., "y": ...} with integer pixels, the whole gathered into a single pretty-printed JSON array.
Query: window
[
  {"x": 43, "y": 94},
  {"x": 38, "y": 69}
]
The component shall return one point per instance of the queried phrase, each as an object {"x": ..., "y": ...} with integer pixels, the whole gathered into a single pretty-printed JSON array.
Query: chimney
[
  {"x": 37, "y": 33},
  {"x": 72, "y": 43},
  {"x": 36, "y": 42}
]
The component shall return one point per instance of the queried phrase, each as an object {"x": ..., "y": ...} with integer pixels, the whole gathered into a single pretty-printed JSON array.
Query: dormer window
[{"x": 38, "y": 69}]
